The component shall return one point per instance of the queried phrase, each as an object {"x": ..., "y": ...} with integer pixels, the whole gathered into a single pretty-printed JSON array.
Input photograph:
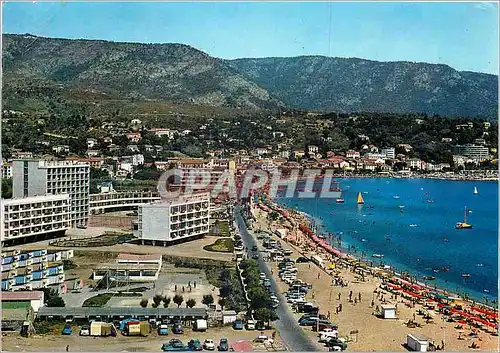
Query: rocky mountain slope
[
  {"x": 180, "y": 74},
  {"x": 315, "y": 82},
  {"x": 172, "y": 72}
]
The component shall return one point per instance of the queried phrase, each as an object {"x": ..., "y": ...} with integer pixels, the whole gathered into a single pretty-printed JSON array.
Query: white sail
[{"x": 475, "y": 191}]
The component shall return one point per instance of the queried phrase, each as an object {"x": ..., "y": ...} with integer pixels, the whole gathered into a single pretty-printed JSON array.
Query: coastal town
[{"x": 249, "y": 177}]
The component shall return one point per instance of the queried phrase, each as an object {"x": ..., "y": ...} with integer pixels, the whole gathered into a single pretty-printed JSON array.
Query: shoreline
[
  {"x": 453, "y": 177},
  {"x": 390, "y": 272}
]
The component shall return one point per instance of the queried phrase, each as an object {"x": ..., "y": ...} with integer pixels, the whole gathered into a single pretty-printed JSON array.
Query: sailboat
[
  {"x": 464, "y": 224},
  {"x": 475, "y": 191},
  {"x": 360, "y": 199}
]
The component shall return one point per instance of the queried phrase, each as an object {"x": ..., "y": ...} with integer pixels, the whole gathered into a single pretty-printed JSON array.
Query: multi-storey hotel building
[
  {"x": 34, "y": 217},
  {"x": 175, "y": 220},
  {"x": 41, "y": 177}
]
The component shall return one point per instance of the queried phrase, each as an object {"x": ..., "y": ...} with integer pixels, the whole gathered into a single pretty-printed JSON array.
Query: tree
[
  {"x": 190, "y": 303},
  {"x": 222, "y": 302},
  {"x": 208, "y": 299},
  {"x": 144, "y": 303},
  {"x": 178, "y": 299},
  {"x": 259, "y": 298},
  {"x": 56, "y": 301},
  {"x": 166, "y": 302},
  {"x": 52, "y": 298},
  {"x": 263, "y": 314},
  {"x": 157, "y": 300},
  {"x": 6, "y": 188}
]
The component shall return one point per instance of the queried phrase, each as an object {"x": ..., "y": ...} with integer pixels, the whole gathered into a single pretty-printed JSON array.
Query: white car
[
  {"x": 262, "y": 276},
  {"x": 251, "y": 325},
  {"x": 209, "y": 344},
  {"x": 326, "y": 330},
  {"x": 325, "y": 337}
]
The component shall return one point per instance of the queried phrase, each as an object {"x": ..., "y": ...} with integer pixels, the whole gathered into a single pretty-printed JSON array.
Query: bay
[{"x": 415, "y": 234}]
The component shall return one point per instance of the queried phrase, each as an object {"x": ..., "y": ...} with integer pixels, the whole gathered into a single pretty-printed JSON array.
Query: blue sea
[{"x": 381, "y": 226}]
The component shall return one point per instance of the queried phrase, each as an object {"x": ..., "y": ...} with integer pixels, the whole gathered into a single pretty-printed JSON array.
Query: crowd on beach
[{"x": 393, "y": 287}]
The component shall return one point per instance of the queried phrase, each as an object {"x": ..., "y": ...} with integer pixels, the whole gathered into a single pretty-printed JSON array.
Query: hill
[
  {"x": 40, "y": 73},
  {"x": 351, "y": 84}
]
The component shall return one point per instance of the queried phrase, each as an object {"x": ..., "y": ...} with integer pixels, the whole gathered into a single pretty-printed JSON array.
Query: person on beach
[
  {"x": 359, "y": 297},
  {"x": 67, "y": 348},
  {"x": 338, "y": 297},
  {"x": 340, "y": 307},
  {"x": 328, "y": 315},
  {"x": 373, "y": 303},
  {"x": 350, "y": 296}
]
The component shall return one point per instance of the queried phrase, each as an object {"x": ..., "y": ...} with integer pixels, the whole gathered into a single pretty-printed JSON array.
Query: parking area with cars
[{"x": 296, "y": 290}]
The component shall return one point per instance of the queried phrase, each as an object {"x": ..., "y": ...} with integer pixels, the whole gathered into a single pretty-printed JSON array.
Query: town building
[
  {"x": 389, "y": 152},
  {"x": 6, "y": 170},
  {"x": 91, "y": 143},
  {"x": 171, "y": 221},
  {"x": 36, "y": 217},
  {"x": 134, "y": 137},
  {"x": 352, "y": 154},
  {"x": 476, "y": 152},
  {"x": 130, "y": 268},
  {"x": 34, "y": 269},
  {"x": 43, "y": 177}
]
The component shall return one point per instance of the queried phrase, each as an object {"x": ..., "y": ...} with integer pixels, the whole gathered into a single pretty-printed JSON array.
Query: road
[{"x": 292, "y": 334}]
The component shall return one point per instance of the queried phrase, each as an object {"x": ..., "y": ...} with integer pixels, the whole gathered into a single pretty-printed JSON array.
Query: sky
[{"x": 461, "y": 35}]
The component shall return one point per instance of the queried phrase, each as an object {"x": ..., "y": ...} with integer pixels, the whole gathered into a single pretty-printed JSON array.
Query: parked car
[
  {"x": 308, "y": 321},
  {"x": 223, "y": 345},
  {"x": 302, "y": 259},
  {"x": 325, "y": 337},
  {"x": 163, "y": 329},
  {"x": 288, "y": 252},
  {"x": 255, "y": 256},
  {"x": 85, "y": 330},
  {"x": 262, "y": 276},
  {"x": 238, "y": 325},
  {"x": 250, "y": 325},
  {"x": 178, "y": 329},
  {"x": 209, "y": 344},
  {"x": 195, "y": 345},
  {"x": 337, "y": 342},
  {"x": 254, "y": 248},
  {"x": 67, "y": 330}
]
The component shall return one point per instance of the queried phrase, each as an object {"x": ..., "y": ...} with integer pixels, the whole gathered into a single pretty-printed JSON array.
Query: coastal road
[{"x": 292, "y": 334}]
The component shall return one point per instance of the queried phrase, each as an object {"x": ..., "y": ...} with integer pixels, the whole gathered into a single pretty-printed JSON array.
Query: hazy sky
[{"x": 462, "y": 35}]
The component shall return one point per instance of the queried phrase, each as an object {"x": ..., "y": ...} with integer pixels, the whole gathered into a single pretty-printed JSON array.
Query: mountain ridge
[{"x": 180, "y": 73}]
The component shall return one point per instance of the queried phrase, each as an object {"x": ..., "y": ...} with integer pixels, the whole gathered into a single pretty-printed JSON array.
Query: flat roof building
[
  {"x": 34, "y": 218},
  {"x": 44, "y": 177},
  {"x": 175, "y": 220}
]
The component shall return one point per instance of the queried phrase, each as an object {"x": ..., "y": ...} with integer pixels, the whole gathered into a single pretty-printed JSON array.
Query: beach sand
[{"x": 374, "y": 334}]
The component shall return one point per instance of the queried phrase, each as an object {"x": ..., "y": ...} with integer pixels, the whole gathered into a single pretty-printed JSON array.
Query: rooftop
[
  {"x": 21, "y": 295},
  {"x": 121, "y": 311}
]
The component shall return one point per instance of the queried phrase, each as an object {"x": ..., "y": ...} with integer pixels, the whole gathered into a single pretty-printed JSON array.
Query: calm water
[{"x": 385, "y": 228}]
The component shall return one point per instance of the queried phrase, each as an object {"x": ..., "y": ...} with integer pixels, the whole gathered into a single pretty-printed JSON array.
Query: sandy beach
[{"x": 374, "y": 333}]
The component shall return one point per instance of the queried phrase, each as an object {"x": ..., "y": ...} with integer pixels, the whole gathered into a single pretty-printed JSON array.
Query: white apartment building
[
  {"x": 175, "y": 220},
  {"x": 34, "y": 217},
  {"x": 389, "y": 152},
  {"x": 43, "y": 177},
  {"x": 476, "y": 152}
]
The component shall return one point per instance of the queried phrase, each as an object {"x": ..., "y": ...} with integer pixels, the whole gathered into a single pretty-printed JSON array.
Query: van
[{"x": 200, "y": 325}]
